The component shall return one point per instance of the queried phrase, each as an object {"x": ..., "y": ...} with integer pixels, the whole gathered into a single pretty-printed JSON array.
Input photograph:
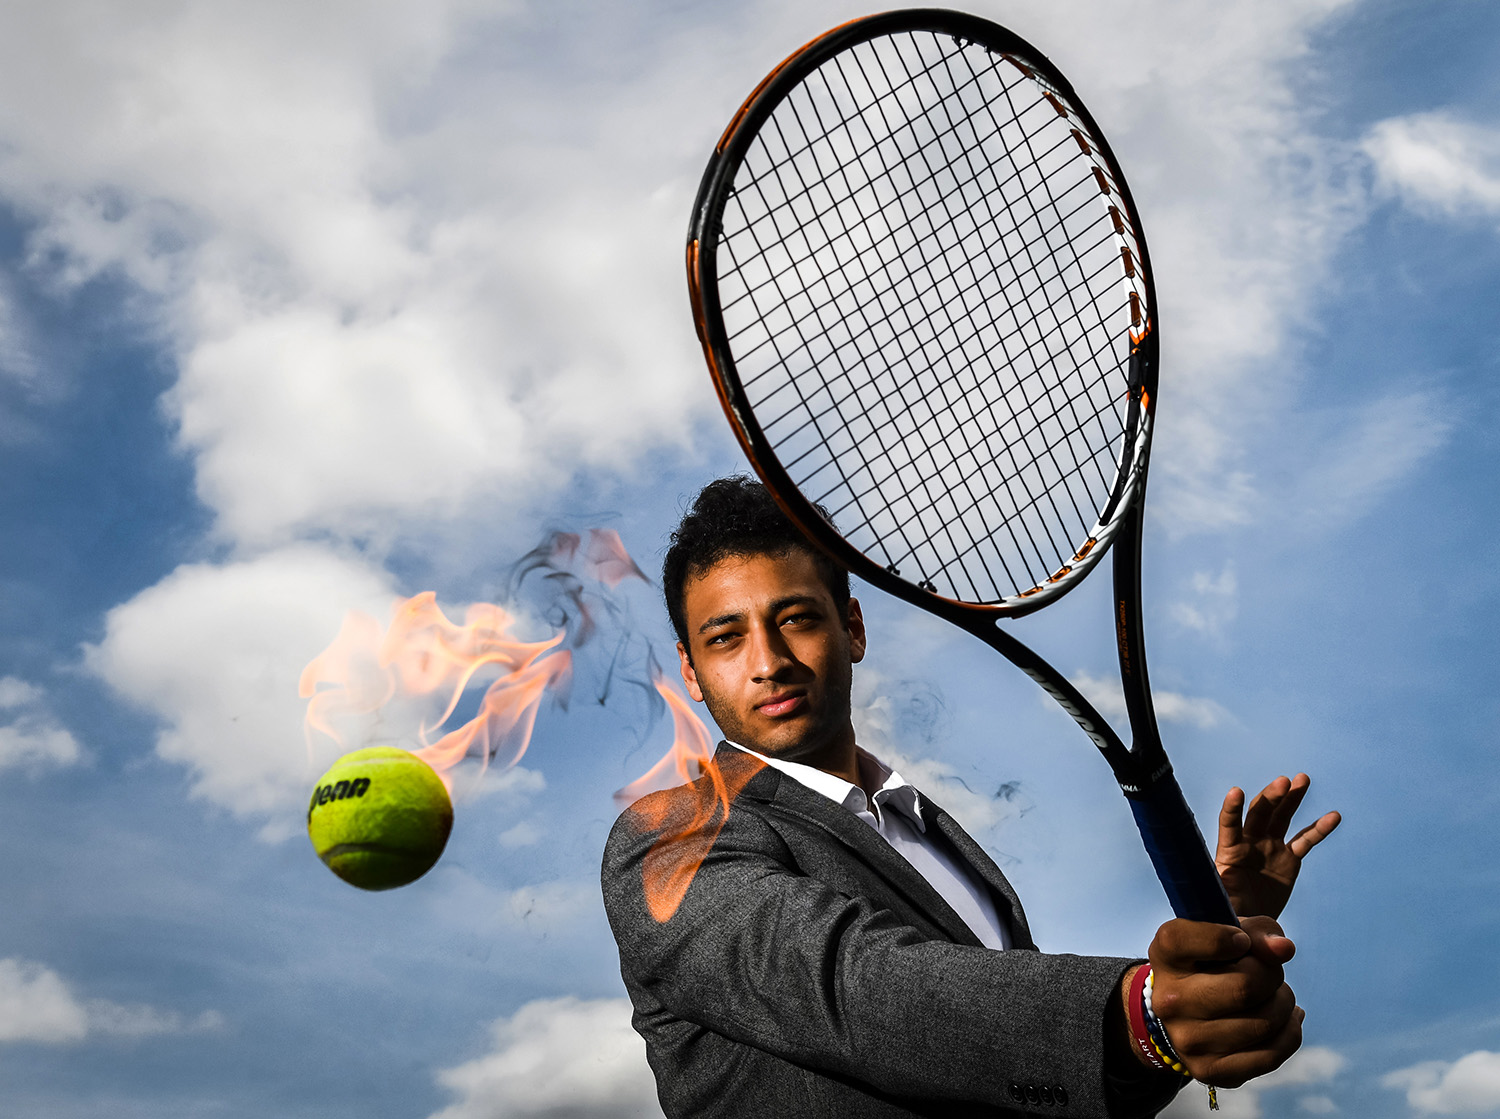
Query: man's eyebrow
[
  {"x": 776, "y": 608},
  {"x": 793, "y": 600},
  {"x": 720, "y": 620}
]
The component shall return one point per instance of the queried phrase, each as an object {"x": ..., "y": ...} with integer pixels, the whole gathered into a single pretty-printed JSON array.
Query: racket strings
[
  {"x": 922, "y": 286},
  {"x": 774, "y": 213},
  {"x": 837, "y": 403}
]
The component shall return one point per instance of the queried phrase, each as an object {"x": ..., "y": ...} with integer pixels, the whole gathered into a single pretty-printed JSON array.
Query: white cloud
[
  {"x": 557, "y": 1057},
  {"x": 513, "y": 786},
  {"x": 1214, "y": 604},
  {"x": 31, "y": 738},
  {"x": 215, "y": 653},
  {"x": 524, "y": 834},
  {"x": 37, "y": 1005},
  {"x": 15, "y": 692},
  {"x": 409, "y": 275},
  {"x": 1242, "y": 200},
  {"x": 33, "y": 743},
  {"x": 137, "y": 1021},
  {"x": 406, "y": 269},
  {"x": 1467, "y": 1086},
  {"x": 1314, "y": 1064},
  {"x": 1376, "y": 446},
  {"x": 1437, "y": 162},
  {"x": 549, "y": 905},
  {"x": 382, "y": 300},
  {"x": 1171, "y": 707}
]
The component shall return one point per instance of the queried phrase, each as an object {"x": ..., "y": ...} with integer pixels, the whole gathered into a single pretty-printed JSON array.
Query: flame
[
  {"x": 607, "y": 560},
  {"x": 424, "y": 656},
  {"x": 689, "y": 821},
  {"x": 691, "y": 750},
  {"x": 373, "y": 673}
]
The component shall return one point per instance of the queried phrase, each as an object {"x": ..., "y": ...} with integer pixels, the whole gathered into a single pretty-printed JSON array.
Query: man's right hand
[{"x": 1220, "y": 994}]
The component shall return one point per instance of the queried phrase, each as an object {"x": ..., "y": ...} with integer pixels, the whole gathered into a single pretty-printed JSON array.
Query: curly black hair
[{"x": 736, "y": 516}]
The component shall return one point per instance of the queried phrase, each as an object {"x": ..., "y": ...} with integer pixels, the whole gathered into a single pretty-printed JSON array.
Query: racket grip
[{"x": 1178, "y": 853}]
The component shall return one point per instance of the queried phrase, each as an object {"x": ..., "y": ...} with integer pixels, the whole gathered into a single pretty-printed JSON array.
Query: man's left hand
[{"x": 1258, "y": 864}]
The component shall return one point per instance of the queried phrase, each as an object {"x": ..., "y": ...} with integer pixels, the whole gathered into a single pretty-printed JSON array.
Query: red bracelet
[{"x": 1140, "y": 1035}]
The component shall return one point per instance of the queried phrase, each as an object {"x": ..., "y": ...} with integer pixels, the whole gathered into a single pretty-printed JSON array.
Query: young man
[{"x": 804, "y": 934}]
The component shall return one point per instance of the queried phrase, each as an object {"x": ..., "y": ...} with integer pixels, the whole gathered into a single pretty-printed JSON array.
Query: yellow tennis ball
[{"x": 379, "y": 818}]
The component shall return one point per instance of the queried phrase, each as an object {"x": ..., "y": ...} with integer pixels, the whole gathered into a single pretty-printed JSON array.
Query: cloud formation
[
  {"x": 215, "y": 652},
  {"x": 1171, "y": 707},
  {"x": 37, "y": 1005},
  {"x": 550, "y": 905},
  {"x": 1437, "y": 163},
  {"x": 1214, "y": 604},
  {"x": 404, "y": 269},
  {"x": 377, "y": 308},
  {"x": 1467, "y": 1086},
  {"x": 557, "y": 1057},
  {"x": 406, "y": 274},
  {"x": 30, "y": 738},
  {"x": 1373, "y": 448}
]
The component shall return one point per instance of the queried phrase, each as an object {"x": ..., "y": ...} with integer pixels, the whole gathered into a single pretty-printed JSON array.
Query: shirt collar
[{"x": 891, "y": 789}]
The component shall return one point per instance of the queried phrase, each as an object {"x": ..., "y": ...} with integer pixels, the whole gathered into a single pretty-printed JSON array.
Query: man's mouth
[{"x": 780, "y": 705}]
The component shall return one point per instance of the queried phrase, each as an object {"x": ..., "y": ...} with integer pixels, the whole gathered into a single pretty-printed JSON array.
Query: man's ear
[
  {"x": 690, "y": 674},
  {"x": 855, "y": 624}
]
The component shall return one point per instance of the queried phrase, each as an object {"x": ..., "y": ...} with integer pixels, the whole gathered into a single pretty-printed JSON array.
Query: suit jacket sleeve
[{"x": 773, "y": 958}]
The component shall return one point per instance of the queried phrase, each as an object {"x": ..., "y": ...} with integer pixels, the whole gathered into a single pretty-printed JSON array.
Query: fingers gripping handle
[{"x": 1178, "y": 853}]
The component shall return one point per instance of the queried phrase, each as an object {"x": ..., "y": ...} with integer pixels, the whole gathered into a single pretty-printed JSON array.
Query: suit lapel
[
  {"x": 795, "y": 799},
  {"x": 1005, "y": 897},
  {"x": 781, "y": 793}
]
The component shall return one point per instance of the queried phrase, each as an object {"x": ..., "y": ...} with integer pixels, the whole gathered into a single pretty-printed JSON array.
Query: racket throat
[{"x": 1061, "y": 689}]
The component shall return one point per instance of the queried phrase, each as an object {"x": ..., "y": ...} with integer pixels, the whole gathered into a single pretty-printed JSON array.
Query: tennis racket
[{"x": 924, "y": 296}]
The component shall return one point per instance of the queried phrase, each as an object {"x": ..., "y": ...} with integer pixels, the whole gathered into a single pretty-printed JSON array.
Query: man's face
[{"x": 770, "y": 655}]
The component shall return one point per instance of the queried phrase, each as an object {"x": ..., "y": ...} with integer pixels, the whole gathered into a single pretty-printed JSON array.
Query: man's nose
[{"x": 772, "y": 656}]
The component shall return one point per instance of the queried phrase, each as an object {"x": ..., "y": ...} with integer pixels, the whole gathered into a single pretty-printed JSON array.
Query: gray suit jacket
[{"x": 810, "y": 971}]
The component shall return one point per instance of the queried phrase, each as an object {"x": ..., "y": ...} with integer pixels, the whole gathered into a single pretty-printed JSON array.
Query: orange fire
[
  {"x": 422, "y": 656},
  {"x": 687, "y": 824},
  {"x": 421, "y": 665},
  {"x": 691, "y": 750}
]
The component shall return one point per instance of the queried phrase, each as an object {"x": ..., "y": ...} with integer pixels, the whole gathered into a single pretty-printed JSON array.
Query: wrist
[
  {"x": 1144, "y": 1033},
  {"x": 1137, "y": 1033},
  {"x": 1127, "y": 1029}
]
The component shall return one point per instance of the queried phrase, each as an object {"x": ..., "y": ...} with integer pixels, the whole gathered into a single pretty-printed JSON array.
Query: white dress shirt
[{"x": 895, "y": 812}]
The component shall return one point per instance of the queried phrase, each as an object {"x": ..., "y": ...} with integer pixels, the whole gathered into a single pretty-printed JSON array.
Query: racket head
[{"x": 926, "y": 301}]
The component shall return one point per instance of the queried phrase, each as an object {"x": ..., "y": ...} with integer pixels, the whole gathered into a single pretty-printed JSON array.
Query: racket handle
[{"x": 1178, "y": 853}]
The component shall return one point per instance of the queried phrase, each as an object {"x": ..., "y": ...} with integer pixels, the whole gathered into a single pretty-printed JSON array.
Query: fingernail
[{"x": 1241, "y": 941}]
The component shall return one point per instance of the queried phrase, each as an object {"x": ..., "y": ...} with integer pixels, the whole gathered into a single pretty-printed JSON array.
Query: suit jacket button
[
  {"x": 1032, "y": 1095},
  {"x": 1046, "y": 1091},
  {"x": 1062, "y": 1095},
  {"x": 1017, "y": 1093}
]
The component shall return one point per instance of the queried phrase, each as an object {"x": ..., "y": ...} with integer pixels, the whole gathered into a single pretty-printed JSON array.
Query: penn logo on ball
[{"x": 379, "y": 818}]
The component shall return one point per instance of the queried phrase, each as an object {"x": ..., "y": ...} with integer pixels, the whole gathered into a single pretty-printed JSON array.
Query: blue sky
[{"x": 305, "y": 308}]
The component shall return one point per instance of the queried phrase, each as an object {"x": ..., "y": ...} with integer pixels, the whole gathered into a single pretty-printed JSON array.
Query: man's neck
[{"x": 837, "y": 757}]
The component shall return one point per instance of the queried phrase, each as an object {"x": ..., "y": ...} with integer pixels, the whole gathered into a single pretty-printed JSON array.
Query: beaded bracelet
[
  {"x": 1157, "y": 1031},
  {"x": 1162, "y": 1043}
]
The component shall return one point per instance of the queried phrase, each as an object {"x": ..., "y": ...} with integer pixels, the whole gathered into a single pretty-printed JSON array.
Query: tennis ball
[{"x": 379, "y": 818}]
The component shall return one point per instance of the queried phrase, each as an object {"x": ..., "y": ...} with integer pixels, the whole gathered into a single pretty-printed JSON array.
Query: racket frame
[{"x": 1143, "y": 771}]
